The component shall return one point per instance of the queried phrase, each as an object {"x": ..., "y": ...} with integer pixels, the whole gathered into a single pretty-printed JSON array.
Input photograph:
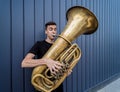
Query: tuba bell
[{"x": 80, "y": 21}]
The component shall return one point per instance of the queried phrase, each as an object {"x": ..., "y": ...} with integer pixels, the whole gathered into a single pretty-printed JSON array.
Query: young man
[{"x": 40, "y": 48}]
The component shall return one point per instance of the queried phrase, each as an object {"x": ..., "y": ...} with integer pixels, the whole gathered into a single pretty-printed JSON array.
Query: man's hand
[{"x": 54, "y": 66}]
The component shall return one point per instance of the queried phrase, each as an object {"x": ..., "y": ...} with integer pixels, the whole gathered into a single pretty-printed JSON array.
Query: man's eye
[
  {"x": 55, "y": 29},
  {"x": 51, "y": 29}
]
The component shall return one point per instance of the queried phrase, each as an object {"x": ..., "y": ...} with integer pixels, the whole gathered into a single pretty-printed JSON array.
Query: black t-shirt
[{"x": 39, "y": 49}]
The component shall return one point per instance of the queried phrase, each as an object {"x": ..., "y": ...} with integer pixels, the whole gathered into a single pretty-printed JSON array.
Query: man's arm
[{"x": 28, "y": 61}]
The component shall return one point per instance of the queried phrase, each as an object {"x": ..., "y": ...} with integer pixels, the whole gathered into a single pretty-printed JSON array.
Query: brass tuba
[{"x": 80, "y": 21}]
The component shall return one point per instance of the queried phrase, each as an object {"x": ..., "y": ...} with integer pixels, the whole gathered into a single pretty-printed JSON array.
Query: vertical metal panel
[
  {"x": 62, "y": 11},
  {"x": 28, "y": 38},
  {"x": 48, "y": 10},
  {"x": 17, "y": 44},
  {"x": 22, "y": 24},
  {"x": 56, "y": 13},
  {"x": 39, "y": 19},
  {"x": 5, "y": 45}
]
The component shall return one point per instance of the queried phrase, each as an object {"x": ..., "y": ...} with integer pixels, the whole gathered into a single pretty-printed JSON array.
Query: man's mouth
[{"x": 55, "y": 35}]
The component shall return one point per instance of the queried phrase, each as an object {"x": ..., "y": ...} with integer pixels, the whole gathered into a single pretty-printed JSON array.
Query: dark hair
[{"x": 49, "y": 23}]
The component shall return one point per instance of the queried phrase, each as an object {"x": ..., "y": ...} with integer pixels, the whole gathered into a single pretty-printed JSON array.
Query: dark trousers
[{"x": 59, "y": 89}]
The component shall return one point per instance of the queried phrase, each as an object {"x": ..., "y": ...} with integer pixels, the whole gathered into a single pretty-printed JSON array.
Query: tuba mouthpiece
[{"x": 55, "y": 35}]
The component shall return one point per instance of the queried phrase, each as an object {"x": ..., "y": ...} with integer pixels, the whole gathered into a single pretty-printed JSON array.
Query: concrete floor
[{"x": 112, "y": 87}]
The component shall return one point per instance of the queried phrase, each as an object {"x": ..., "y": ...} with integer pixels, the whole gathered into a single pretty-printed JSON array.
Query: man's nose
[{"x": 54, "y": 31}]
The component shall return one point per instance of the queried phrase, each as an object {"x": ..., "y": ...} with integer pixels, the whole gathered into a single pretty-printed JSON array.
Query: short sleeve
[{"x": 34, "y": 48}]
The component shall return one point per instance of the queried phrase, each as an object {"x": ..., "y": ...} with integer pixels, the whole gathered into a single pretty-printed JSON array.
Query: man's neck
[{"x": 49, "y": 41}]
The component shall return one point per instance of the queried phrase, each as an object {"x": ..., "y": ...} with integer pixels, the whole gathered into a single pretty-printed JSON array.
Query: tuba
[{"x": 80, "y": 21}]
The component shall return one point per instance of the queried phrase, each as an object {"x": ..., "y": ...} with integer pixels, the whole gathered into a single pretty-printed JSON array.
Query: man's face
[{"x": 51, "y": 31}]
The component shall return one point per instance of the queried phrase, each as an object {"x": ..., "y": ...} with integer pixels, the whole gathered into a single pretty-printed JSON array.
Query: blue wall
[{"x": 22, "y": 24}]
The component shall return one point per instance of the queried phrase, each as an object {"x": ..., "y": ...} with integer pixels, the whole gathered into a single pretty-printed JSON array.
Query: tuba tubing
[{"x": 80, "y": 21}]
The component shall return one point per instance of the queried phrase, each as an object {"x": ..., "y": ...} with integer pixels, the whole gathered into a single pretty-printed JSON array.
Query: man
[{"x": 40, "y": 48}]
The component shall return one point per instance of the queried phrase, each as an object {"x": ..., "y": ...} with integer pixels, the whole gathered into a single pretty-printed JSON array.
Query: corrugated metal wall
[{"x": 22, "y": 24}]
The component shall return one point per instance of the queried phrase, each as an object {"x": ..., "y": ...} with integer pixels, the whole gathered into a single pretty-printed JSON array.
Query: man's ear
[{"x": 45, "y": 31}]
